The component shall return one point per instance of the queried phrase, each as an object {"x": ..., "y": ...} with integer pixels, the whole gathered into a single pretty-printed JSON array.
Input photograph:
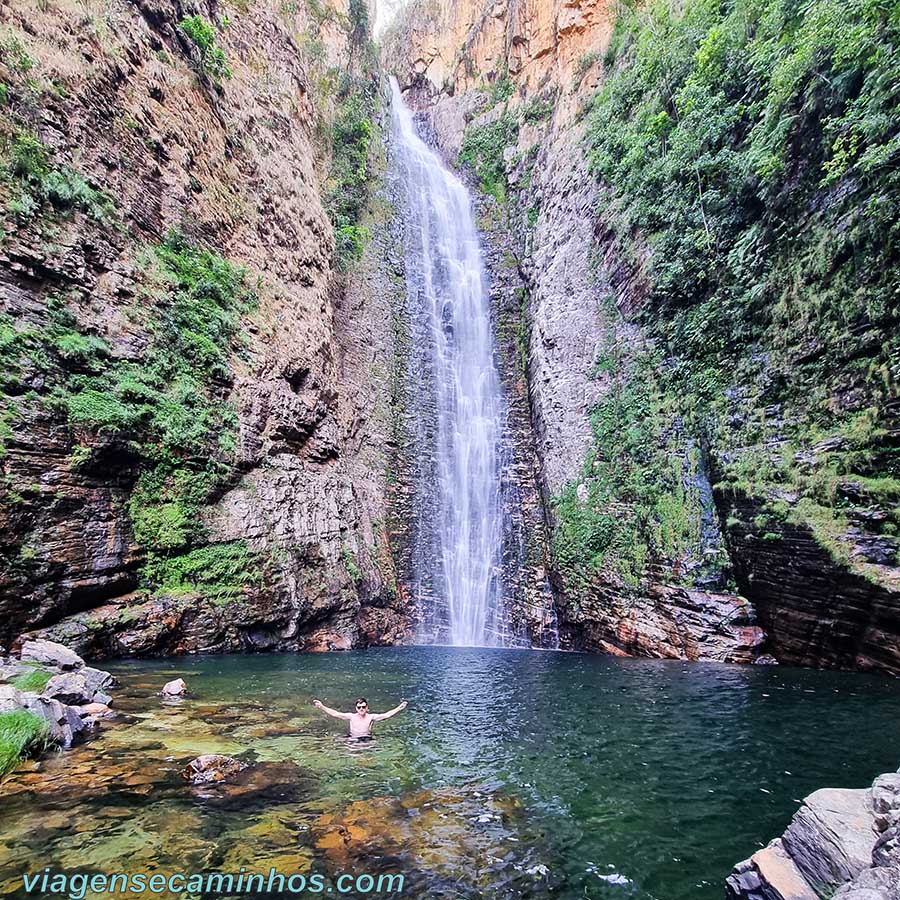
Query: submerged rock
[
  {"x": 175, "y": 688},
  {"x": 451, "y": 842},
  {"x": 96, "y": 710},
  {"x": 226, "y": 782},
  {"x": 212, "y": 767}
]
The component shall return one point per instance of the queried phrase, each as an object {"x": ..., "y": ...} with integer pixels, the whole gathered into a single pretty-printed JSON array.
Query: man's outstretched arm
[
  {"x": 378, "y": 717},
  {"x": 318, "y": 704}
]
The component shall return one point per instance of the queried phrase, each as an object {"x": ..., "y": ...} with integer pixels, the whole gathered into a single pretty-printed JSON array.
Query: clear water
[
  {"x": 663, "y": 773},
  {"x": 458, "y": 407}
]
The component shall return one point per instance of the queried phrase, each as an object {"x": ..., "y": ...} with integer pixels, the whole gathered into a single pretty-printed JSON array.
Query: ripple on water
[{"x": 512, "y": 774}]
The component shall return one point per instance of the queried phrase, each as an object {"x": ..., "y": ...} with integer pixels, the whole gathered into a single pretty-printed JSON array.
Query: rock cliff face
[
  {"x": 201, "y": 411},
  {"x": 517, "y": 74},
  {"x": 268, "y": 528},
  {"x": 674, "y": 526}
]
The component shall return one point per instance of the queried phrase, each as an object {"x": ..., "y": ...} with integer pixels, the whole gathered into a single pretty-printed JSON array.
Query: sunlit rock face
[
  {"x": 511, "y": 83},
  {"x": 547, "y": 276},
  {"x": 840, "y": 841},
  {"x": 457, "y": 45}
]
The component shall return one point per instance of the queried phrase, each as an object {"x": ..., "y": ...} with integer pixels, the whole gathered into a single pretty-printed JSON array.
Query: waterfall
[{"x": 458, "y": 409}]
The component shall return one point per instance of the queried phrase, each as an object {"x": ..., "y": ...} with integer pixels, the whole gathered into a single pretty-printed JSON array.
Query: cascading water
[{"x": 457, "y": 398}]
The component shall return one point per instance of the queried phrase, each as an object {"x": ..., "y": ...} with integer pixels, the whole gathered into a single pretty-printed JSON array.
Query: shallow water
[{"x": 506, "y": 762}]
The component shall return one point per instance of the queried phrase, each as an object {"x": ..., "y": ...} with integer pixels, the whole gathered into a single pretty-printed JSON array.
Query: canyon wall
[
  {"x": 196, "y": 439},
  {"x": 202, "y": 407},
  {"x": 746, "y": 507}
]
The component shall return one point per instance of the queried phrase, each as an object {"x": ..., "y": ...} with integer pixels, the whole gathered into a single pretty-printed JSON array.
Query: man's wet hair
[{"x": 361, "y": 700}]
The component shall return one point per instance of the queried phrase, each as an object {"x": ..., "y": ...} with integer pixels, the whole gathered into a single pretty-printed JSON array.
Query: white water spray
[{"x": 448, "y": 304}]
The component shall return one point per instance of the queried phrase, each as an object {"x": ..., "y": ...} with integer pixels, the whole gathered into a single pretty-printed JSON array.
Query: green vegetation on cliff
[
  {"x": 482, "y": 149},
  {"x": 348, "y": 180},
  {"x": 202, "y": 34},
  {"x": 30, "y": 179},
  {"x": 354, "y": 90},
  {"x": 165, "y": 408},
  {"x": 750, "y": 152},
  {"x": 637, "y": 501}
]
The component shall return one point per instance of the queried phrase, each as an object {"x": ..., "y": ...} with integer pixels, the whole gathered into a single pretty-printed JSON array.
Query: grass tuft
[{"x": 21, "y": 733}]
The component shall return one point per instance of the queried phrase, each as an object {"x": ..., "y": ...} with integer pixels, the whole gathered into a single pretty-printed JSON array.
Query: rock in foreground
[
  {"x": 174, "y": 688},
  {"x": 52, "y": 682},
  {"x": 212, "y": 767},
  {"x": 841, "y": 843}
]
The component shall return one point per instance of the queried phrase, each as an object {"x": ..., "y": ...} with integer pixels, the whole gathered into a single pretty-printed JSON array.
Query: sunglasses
[{"x": 362, "y": 705}]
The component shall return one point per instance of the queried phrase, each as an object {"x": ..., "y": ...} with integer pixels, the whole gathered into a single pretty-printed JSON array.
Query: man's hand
[
  {"x": 318, "y": 704},
  {"x": 403, "y": 704}
]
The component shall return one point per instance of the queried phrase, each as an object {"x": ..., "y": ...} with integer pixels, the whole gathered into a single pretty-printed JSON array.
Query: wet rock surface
[
  {"x": 823, "y": 595},
  {"x": 426, "y": 833},
  {"x": 552, "y": 266},
  {"x": 669, "y": 623}
]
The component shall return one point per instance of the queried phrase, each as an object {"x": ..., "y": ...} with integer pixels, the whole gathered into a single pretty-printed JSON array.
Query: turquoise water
[{"x": 511, "y": 774}]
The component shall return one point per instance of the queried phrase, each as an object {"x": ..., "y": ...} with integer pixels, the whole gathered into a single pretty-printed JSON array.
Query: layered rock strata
[
  {"x": 506, "y": 88},
  {"x": 841, "y": 843},
  {"x": 238, "y": 164},
  {"x": 543, "y": 249}
]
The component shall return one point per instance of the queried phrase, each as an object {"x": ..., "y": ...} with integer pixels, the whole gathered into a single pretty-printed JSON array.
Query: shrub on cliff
[
  {"x": 32, "y": 179},
  {"x": 348, "y": 179},
  {"x": 165, "y": 408},
  {"x": 482, "y": 149},
  {"x": 202, "y": 34}
]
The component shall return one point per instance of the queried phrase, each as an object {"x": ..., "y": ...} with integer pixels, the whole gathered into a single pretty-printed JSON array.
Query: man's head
[{"x": 362, "y": 705}]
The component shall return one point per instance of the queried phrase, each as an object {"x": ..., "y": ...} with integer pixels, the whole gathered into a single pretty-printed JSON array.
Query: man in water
[{"x": 360, "y": 721}]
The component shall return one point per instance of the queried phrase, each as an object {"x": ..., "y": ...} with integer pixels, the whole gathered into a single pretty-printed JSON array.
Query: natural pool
[{"x": 505, "y": 764}]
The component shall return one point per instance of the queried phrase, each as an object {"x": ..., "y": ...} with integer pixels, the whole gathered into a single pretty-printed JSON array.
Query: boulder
[
  {"x": 840, "y": 843},
  {"x": 96, "y": 679},
  {"x": 886, "y": 852},
  {"x": 64, "y": 722},
  {"x": 872, "y": 884},
  {"x": 49, "y": 653},
  {"x": 9, "y": 698},
  {"x": 174, "y": 688},
  {"x": 770, "y": 874},
  {"x": 212, "y": 767},
  {"x": 68, "y": 687},
  {"x": 96, "y": 710},
  {"x": 9, "y": 669},
  {"x": 831, "y": 836}
]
